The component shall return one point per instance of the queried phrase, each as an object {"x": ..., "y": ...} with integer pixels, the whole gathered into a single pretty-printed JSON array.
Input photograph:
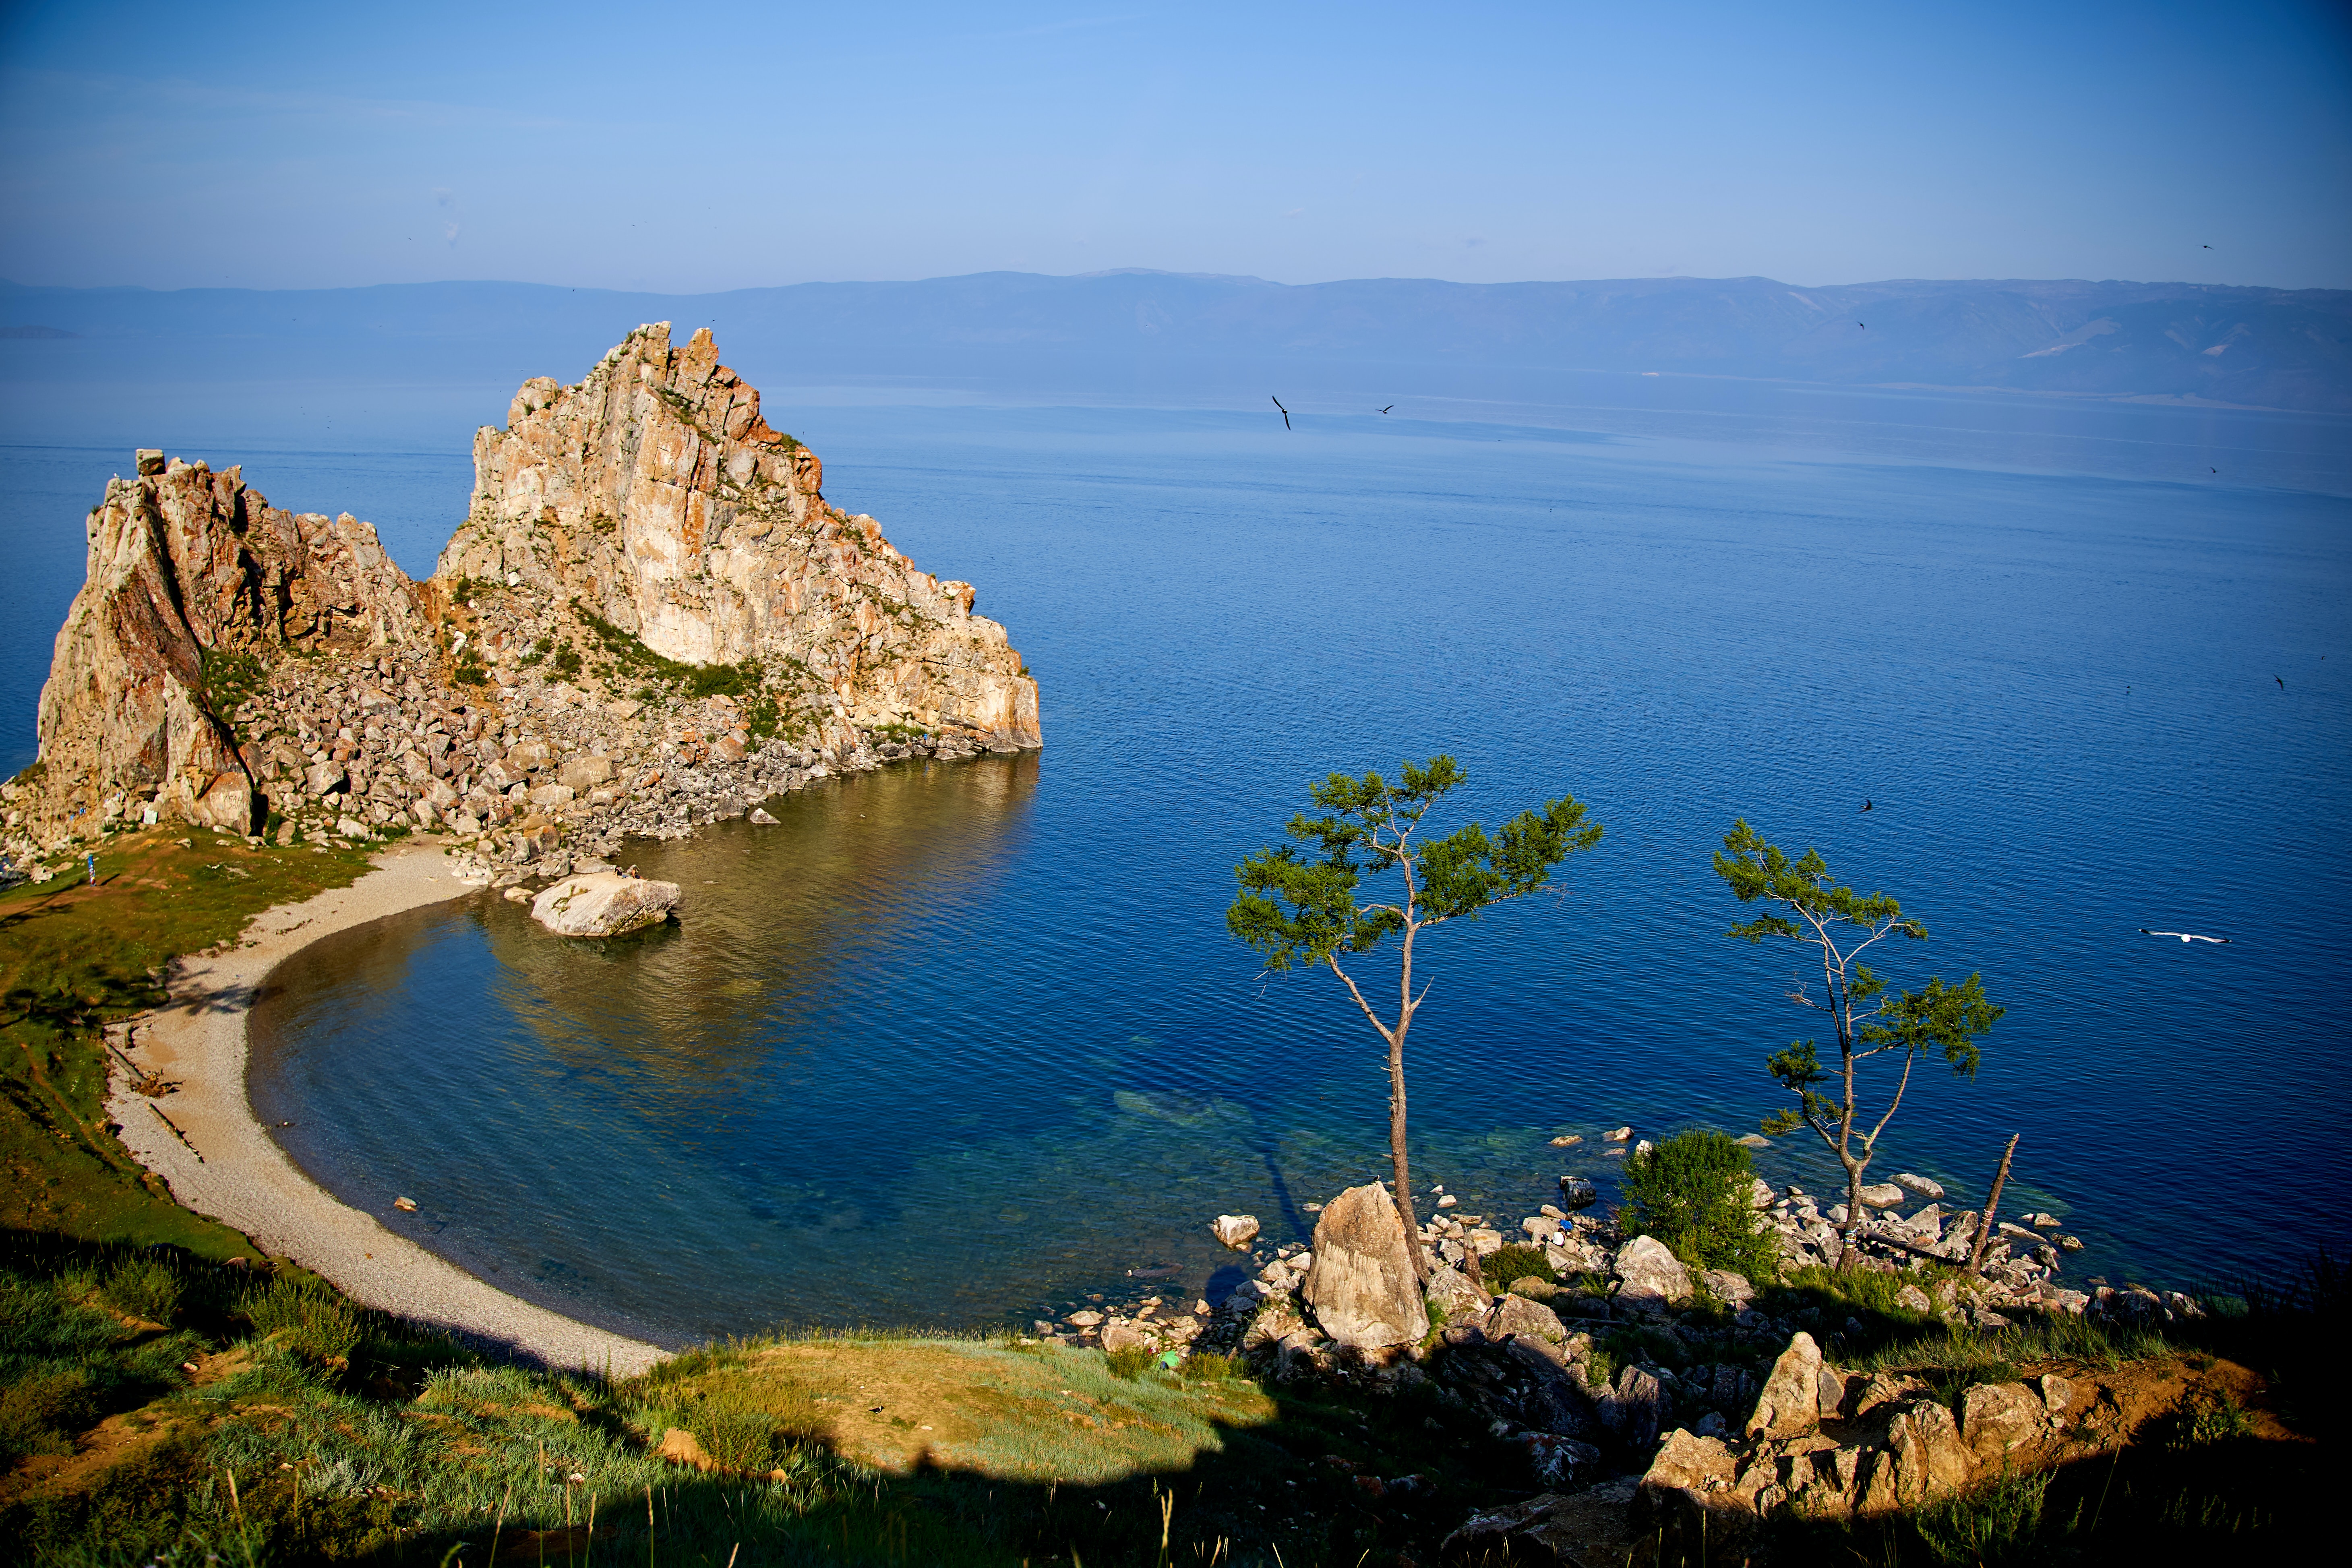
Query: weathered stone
[
  {"x": 1593, "y": 1527},
  {"x": 1728, "y": 1287},
  {"x": 1451, "y": 1293},
  {"x": 1636, "y": 1409},
  {"x": 1086, "y": 1318},
  {"x": 1517, "y": 1315},
  {"x": 1913, "y": 1299},
  {"x": 1881, "y": 1195},
  {"x": 1362, "y": 1290},
  {"x": 1920, "y": 1185},
  {"x": 1650, "y": 1277},
  {"x": 602, "y": 904},
  {"x": 1235, "y": 1230},
  {"x": 1118, "y": 1334},
  {"x": 2057, "y": 1395},
  {"x": 1578, "y": 1192},
  {"x": 584, "y": 774},
  {"x": 1558, "y": 1461},
  {"x": 1998, "y": 1418},
  {"x": 1789, "y": 1405},
  {"x": 1930, "y": 1460}
]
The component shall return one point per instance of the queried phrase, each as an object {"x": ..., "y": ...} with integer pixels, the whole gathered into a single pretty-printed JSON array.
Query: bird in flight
[
  {"x": 2185, "y": 935},
  {"x": 2282, "y": 681},
  {"x": 1863, "y": 325},
  {"x": 1385, "y": 410},
  {"x": 1865, "y": 807},
  {"x": 2204, "y": 248},
  {"x": 1286, "y": 413}
]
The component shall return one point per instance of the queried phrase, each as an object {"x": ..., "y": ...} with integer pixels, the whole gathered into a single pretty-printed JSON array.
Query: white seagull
[{"x": 2185, "y": 935}]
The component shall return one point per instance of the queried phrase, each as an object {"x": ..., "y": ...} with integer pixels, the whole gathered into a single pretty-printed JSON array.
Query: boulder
[
  {"x": 1559, "y": 1461},
  {"x": 1728, "y": 1287},
  {"x": 1594, "y": 1526},
  {"x": 1881, "y": 1195},
  {"x": 584, "y": 774},
  {"x": 1649, "y": 1278},
  {"x": 1691, "y": 1476},
  {"x": 1452, "y": 1293},
  {"x": 1362, "y": 1289},
  {"x": 1998, "y": 1418},
  {"x": 1578, "y": 1192},
  {"x": 2057, "y": 1395},
  {"x": 227, "y": 803},
  {"x": 1789, "y": 1405},
  {"x": 1636, "y": 1409},
  {"x": 1929, "y": 1459},
  {"x": 1120, "y": 1334},
  {"x": 602, "y": 904},
  {"x": 1920, "y": 1185},
  {"x": 760, "y": 818},
  {"x": 1517, "y": 1315},
  {"x": 1235, "y": 1230}
]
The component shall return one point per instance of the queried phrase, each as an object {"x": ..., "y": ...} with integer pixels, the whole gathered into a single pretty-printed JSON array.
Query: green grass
[
  {"x": 74, "y": 956},
  {"x": 1507, "y": 1265}
]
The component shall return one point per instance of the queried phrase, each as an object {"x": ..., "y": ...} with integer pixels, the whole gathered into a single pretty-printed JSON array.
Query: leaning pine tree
[
  {"x": 1302, "y": 909},
  {"x": 1870, "y": 1022}
]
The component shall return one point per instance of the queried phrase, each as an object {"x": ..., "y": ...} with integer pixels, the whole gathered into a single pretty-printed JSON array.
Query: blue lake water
[{"x": 962, "y": 1043}]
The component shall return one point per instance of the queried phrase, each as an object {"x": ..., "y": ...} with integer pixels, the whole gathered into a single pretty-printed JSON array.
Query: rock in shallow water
[{"x": 602, "y": 904}]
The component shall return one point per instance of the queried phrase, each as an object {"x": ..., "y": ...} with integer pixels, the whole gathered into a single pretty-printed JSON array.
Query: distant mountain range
[{"x": 1119, "y": 333}]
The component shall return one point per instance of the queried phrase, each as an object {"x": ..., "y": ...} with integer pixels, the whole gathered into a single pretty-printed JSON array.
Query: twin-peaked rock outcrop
[{"x": 630, "y": 532}]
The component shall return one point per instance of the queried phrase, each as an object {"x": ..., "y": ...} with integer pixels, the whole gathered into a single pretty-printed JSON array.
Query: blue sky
[{"x": 722, "y": 146}]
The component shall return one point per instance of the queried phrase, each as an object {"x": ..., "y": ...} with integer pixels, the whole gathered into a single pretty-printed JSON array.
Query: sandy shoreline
[{"x": 244, "y": 1179}]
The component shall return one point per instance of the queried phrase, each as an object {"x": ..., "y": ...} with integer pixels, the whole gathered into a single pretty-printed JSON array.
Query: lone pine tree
[
  {"x": 1842, "y": 925},
  {"x": 1301, "y": 908}
]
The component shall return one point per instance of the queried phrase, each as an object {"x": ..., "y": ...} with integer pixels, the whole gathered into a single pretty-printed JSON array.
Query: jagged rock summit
[
  {"x": 649, "y": 586},
  {"x": 653, "y": 497}
]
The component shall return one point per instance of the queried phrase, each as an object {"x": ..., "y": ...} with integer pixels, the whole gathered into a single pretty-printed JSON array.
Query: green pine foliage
[{"x": 1693, "y": 1192}]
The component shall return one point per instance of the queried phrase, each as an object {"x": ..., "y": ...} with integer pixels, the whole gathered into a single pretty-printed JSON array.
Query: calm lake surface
[{"x": 960, "y": 1044}]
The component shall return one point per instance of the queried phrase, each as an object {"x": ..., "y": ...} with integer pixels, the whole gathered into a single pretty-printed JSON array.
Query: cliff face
[
  {"x": 650, "y": 598},
  {"x": 191, "y": 575},
  {"x": 654, "y": 495}
]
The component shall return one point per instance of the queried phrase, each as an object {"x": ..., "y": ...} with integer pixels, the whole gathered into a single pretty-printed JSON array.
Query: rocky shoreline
[{"x": 1642, "y": 1390}]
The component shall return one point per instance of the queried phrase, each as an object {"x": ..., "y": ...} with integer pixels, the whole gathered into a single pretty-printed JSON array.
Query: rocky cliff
[
  {"x": 655, "y": 497},
  {"x": 194, "y": 583},
  {"x": 649, "y": 586}
]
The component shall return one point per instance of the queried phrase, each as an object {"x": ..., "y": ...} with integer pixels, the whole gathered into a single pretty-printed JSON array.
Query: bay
[{"x": 962, "y": 1044}]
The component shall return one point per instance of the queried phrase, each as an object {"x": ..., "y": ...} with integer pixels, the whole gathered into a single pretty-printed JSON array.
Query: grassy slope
[{"x": 73, "y": 956}]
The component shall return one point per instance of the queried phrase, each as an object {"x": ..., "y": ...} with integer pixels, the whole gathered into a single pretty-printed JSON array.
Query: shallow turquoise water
[{"x": 959, "y": 1044}]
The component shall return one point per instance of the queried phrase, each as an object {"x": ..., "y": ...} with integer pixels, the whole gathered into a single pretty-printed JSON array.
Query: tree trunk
[
  {"x": 1992, "y": 1207},
  {"x": 1848, "y": 1257},
  {"x": 1397, "y": 1160}
]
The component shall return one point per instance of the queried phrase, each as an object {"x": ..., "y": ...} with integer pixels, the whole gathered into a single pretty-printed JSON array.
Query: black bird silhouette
[
  {"x": 1863, "y": 325},
  {"x": 2282, "y": 681},
  {"x": 1286, "y": 413},
  {"x": 1866, "y": 805},
  {"x": 1385, "y": 410},
  {"x": 2204, "y": 248},
  {"x": 2211, "y": 471}
]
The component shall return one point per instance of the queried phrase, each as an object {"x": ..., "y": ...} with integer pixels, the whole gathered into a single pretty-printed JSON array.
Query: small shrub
[
  {"x": 1211, "y": 1367},
  {"x": 567, "y": 661},
  {"x": 1987, "y": 1523},
  {"x": 735, "y": 1431},
  {"x": 306, "y": 1317},
  {"x": 2207, "y": 1416},
  {"x": 1507, "y": 1265},
  {"x": 144, "y": 1288},
  {"x": 1130, "y": 1363},
  {"x": 1693, "y": 1192}
]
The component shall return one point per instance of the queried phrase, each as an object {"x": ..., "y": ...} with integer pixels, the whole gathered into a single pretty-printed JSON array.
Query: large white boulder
[
  {"x": 603, "y": 903},
  {"x": 1362, "y": 1288}
]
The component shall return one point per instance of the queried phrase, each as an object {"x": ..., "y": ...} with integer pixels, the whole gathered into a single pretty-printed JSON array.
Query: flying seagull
[
  {"x": 1286, "y": 413},
  {"x": 2185, "y": 935},
  {"x": 1385, "y": 410},
  {"x": 1865, "y": 807},
  {"x": 2282, "y": 681}
]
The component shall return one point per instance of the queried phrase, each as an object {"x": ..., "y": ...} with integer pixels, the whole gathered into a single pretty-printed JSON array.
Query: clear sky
[{"x": 691, "y": 148}]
